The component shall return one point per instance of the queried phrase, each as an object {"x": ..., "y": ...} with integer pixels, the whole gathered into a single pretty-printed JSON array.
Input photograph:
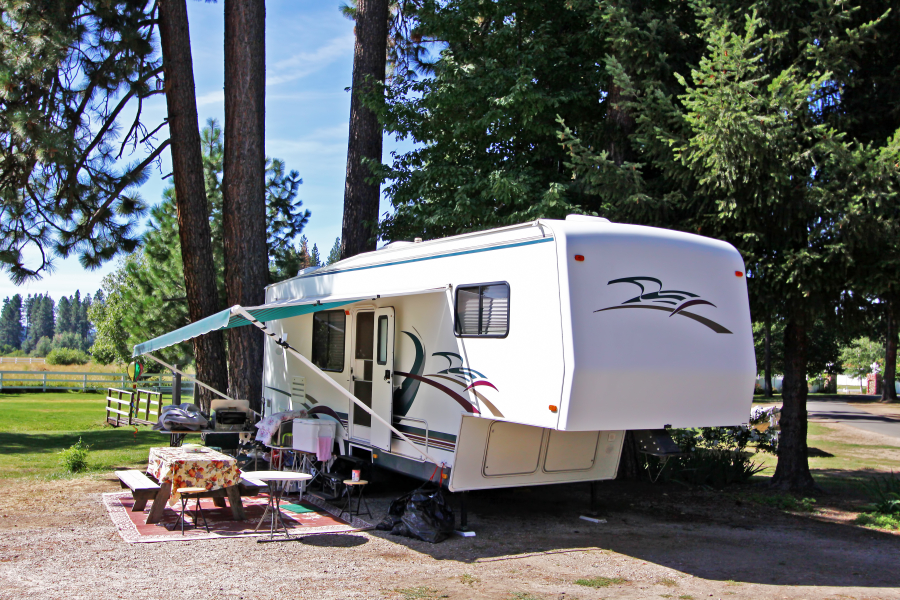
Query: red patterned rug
[{"x": 321, "y": 518}]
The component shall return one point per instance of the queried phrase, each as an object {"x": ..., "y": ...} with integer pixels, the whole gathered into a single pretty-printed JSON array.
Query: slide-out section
[{"x": 497, "y": 454}]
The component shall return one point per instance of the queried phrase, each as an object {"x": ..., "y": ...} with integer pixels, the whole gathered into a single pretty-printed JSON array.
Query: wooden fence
[
  {"x": 65, "y": 380},
  {"x": 21, "y": 360},
  {"x": 137, "y": 407}
]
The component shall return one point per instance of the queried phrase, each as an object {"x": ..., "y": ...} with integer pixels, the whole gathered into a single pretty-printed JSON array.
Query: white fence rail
[
  {"x": 64, "y": 380},
  {"x": 21, "y": 360}
]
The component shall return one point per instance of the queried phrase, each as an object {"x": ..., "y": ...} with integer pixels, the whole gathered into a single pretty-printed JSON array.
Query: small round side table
[
  {"x": 348, "y": 506},
  {"x": 275, "y": 494}
]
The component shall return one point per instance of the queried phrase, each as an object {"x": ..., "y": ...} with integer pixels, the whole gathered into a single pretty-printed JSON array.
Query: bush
[
  {"x": 43, "y": 347},
  {"x": 70, "y": 340},
  {"x": 878, "y": 520},
  {"x": 885, "y": 493},
  {"x": 67, "y": 356},
  {"x": 713, "y": 456},
  {"x": 74, "y": 458}
]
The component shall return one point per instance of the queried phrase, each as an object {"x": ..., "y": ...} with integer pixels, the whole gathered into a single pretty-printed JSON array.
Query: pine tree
[
  {"x": 361, "y": 187},
  {"x": 11, "y": 330},
  {"x": 145, "y": 296},
  {"x": 194, "y": 234},
  {"x": 69, "y": 167},
  {"x": 314, "y": 260},
  {"x": 66, "y": 314},
  {"x": 335, "y": 254}
]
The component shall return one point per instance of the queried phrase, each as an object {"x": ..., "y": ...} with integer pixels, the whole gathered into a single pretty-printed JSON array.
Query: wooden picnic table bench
[{"x": 142, "y": 487}]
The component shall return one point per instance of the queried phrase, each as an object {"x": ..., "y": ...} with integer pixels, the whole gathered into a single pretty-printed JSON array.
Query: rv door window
[
  {"x": 482, "y": 310},
  {"x": 328, "y": 339},
  {"x": 382, "y": 340}
]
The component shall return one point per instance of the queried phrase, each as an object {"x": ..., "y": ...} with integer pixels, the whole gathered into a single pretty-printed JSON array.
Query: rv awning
[{"x": 283, "y": 309}]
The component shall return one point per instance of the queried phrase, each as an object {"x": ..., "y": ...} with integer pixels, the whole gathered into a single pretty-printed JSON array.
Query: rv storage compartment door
[
  {"x": 382, "y": 377},
  {"x": 512, "y": 449}
]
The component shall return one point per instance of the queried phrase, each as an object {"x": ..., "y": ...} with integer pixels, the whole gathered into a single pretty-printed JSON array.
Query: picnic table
[{"x": 182, "y": 467}]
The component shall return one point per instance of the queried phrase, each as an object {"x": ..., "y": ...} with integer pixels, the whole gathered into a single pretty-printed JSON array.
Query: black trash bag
[{"x": 422, "y": 514}]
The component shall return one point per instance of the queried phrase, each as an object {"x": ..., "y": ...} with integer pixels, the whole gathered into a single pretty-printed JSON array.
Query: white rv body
[{"x": 611, "y": 328}]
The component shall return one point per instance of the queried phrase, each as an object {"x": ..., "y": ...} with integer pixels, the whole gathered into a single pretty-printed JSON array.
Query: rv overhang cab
[{"x": 515, "y": 356}]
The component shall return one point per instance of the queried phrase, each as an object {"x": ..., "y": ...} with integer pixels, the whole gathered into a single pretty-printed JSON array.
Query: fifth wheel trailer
[{"x": 514, "y": 356}]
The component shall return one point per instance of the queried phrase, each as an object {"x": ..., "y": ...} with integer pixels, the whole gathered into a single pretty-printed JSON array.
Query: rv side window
[
  {"x": 482, "y": 310},
  {"x": 328, "y": 339}
]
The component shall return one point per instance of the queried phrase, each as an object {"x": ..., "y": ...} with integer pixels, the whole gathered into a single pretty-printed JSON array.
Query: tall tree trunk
[
  {"x": 243, "y": 187},
  {"x": 888, "y": 391},
  {"x": 792, "y": 471},
  {"x": 190, "y": 192},
  {"x": 768, "y": 354},
  {"x": 360, "y": 196},
  {"x": 622, "y": 121}
]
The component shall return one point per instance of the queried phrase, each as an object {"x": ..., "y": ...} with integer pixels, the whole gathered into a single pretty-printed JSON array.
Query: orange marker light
[
  {"x": 579, "y": 258},
  {"x": 738, "y": 274},
  {"x": 553, "y": 408},
  {"x": 347, "y": 312}
]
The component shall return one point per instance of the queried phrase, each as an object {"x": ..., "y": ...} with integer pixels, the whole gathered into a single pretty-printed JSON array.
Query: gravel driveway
[{"x": 667, "y": 542}]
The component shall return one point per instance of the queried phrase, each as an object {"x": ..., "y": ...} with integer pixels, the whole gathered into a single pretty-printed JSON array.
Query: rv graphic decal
[
  {"x": 652, "y": 299},
  {"x": 466, "y": 378}
]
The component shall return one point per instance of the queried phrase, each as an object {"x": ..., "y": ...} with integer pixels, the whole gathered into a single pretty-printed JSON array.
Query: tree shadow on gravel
[
  {"x": 723, "y": 536},
  {"x": 333, "y": 540}
]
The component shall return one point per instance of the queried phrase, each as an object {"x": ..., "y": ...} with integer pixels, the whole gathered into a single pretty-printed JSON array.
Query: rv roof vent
[
  {"x": 418, "y": 240},
  {"x": 586, "y": 218},
  {"x": 307, "y": 270}
]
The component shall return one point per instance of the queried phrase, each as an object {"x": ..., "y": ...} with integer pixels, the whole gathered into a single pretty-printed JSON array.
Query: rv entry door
[{"x": 382, "y": 378}]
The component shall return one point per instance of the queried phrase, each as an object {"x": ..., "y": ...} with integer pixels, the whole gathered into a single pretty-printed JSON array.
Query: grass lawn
[{"x": 35, "y": 427}]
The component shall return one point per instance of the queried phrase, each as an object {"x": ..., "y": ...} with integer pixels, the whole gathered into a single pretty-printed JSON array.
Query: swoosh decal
[
  {"x": 406, "y": 393},
  {"x": 288, "y": 394},
  {"x": 708, "y": 322},
  {"x": 489, "y": 404},
  {"x": 690, "y": 303},
  {"x": 468, "y": 406},
  {"x": 478, "y": 383}
]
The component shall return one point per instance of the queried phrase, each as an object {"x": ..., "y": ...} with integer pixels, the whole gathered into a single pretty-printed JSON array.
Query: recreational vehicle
[{"x": 510, "y": 357}]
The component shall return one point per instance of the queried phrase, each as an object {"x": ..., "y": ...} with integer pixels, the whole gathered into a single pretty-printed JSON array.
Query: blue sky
[{"x": 309, "y": 62}]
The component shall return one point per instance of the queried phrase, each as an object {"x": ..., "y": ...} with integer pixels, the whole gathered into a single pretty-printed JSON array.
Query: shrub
[
  {"x": 67, "y": 356},
  {"x": 74, "y": 458},
  {"x": 713, "y": 456},
  {"x": 878, "y": 520},
  {"x": 43, "y": 347},
  {"x": 885, "y": 493}
]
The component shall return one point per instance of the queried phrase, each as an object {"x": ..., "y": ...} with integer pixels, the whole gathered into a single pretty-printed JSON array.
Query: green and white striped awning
[{"x": 229, "y": 318}]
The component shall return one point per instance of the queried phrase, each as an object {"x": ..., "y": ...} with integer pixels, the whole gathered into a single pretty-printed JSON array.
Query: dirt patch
[{"x": 658, "y": 541}]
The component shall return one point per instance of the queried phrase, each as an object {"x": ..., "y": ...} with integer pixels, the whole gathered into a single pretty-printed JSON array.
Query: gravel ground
[{"x": 56, "y": 541}]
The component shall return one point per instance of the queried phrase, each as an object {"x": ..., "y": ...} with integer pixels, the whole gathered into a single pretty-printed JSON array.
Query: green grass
[
  {"x": 878, "y": 521},
  {"x": 36, "y": 427},
  {"x": 420, "y": 593},
  {"x": 599, "y": 582}
]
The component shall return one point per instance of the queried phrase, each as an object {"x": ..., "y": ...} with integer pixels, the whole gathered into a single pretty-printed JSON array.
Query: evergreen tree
[
  {"x": 334, "y": 255},
  {"x": 11, "y": 330},
  {"x": 145, "y": 296},
  {"x": 361, "y": 187},
  {"x": 66, "y": 315},
  {"x": 69, "y": 170},
  {"x": 314, "y": 260}
]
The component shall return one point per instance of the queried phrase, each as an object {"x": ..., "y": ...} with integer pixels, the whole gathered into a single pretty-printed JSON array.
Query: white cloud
[
  {"x": 305, "y": 63},
  {"x": 216, "y": 97}
]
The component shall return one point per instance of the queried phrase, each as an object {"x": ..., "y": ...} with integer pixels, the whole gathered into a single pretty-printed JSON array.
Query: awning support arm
[
  {"x": 329, "y": 380},
  {"x": 200, "y": 383}
]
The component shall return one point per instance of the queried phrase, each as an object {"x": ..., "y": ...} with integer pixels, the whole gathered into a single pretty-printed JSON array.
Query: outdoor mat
[{"x": 317, "y": 517}]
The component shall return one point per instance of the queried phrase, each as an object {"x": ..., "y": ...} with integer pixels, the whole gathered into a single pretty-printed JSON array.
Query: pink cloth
[{"x": 325, "y": 446}]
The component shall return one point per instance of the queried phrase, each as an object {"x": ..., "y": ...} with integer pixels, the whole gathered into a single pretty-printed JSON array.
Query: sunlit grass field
[{"x": 35, "y": 427}]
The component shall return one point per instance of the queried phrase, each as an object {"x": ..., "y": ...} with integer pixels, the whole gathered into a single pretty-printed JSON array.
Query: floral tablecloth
[{"x": 207, "y": 469}]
